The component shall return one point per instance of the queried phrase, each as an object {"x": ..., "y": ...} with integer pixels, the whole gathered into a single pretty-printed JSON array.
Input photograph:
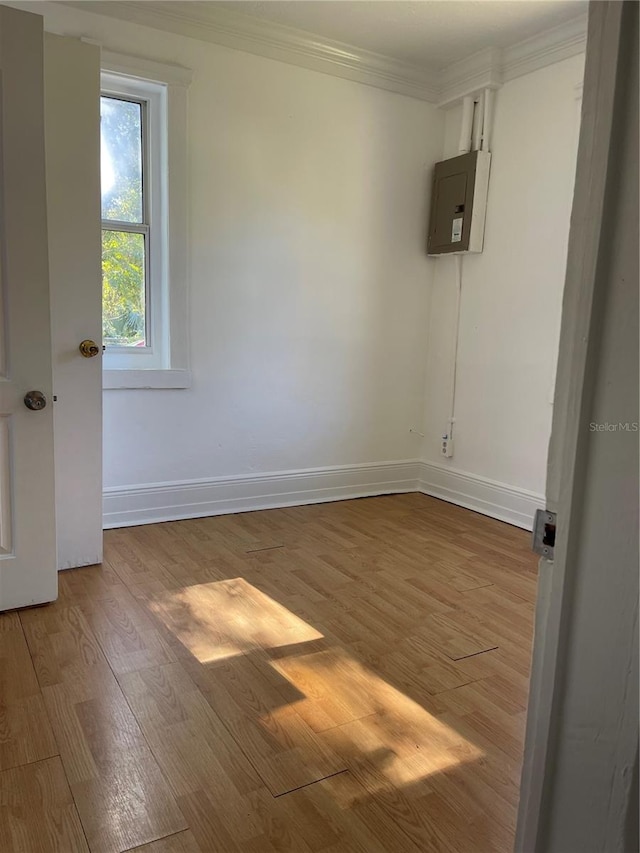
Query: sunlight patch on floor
[
  {"x": 361, "y": 714},
  {"x": 221, "y": 619},
  {"x": 385, "y": 736}
]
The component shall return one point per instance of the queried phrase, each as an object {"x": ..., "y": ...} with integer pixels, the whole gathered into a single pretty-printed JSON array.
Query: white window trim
[
  {"x": 170, "y": 301},
  {"x": 152, "y": 98}
]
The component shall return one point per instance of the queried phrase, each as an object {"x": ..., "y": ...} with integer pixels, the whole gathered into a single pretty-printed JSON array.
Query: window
[
  {"x": 125, "y": 223},
  {"x": 143, "y": 176}
]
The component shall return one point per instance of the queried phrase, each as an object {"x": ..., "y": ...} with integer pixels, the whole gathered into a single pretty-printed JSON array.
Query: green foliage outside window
[
  {"x": 123, "y": 251},
  {"x": 123, "y": 292}
]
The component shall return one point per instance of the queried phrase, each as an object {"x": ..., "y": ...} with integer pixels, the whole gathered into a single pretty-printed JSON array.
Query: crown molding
[
  {"x": 554, "y": 45},
  {"x": 492, "y": 67},
  {"x": 274, "y": 41},
  {"x": 488, "y": 68},
  {"x": 481, "y": 70}
]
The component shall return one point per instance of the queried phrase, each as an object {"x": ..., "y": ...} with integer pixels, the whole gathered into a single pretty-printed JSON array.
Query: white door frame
[{"x": 576, "y": 380}]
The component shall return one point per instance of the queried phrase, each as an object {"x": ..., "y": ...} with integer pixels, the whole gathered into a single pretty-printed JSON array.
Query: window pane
[
  {"x": 123, "y": 289},
  {"x": 121, "y": 159}
]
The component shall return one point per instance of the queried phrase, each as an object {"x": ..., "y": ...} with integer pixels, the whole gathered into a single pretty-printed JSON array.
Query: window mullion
[{"x": 130, "y": 227}]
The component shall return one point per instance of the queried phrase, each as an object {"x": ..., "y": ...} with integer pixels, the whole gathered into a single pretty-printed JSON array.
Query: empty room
[{"x": 319, "y": 426}]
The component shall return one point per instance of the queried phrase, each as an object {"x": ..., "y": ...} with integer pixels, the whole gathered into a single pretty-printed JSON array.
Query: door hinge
[{"x": 544, "y": 533}]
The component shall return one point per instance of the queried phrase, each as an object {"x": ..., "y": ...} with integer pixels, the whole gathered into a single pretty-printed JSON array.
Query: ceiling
[
  {"x": 435, "y": 50},
  {"x": 427, "y": 33}
]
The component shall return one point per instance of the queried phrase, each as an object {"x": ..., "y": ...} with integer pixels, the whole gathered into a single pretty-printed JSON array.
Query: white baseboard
[
  {"x": 125, "y": 506},
  {"x": 497, "y": 500}
]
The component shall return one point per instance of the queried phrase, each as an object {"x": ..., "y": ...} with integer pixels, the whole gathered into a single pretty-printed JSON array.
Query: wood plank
[
  {"x": 225, "y": 618},
  {"x": 100, "y": 742},
  {"x": 335, "y": 688},
  {"x": 323, "y": 818},
  {"x": 317, "y": 697},
  {"x": 190, "y": 742},
  {"x": 181, "y": 842},
  {"x": 128, "y": 637},
  {"x": 284, "y": 750},
  {"x": 25, "y": 732},
  {"x": 37, "y": 812}
]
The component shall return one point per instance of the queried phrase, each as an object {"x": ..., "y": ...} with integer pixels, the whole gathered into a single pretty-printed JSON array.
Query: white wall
[
  {"x": 320, "y": 332},
  {"x": 512, "y": 293},
  {"x": 309, "y": 280}
]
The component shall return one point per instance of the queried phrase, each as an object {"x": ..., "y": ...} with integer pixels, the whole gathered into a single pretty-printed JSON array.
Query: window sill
[{"x": 114, "y": 380}]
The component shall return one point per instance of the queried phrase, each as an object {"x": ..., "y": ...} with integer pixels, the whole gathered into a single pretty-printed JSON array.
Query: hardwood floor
[{"x": 339, "y": 678}]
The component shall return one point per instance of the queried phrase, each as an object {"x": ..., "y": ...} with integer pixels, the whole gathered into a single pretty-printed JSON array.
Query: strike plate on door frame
[{"x": 544, "y": 533}]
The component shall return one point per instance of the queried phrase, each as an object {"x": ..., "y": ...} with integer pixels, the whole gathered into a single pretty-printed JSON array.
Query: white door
[
  {"x": 27, "y": 500},
  {"x": 581, "y": 745},
  {"x": 72, "y": 133}
]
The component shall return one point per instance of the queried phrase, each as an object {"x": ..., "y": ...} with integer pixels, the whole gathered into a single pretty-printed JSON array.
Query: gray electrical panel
[{"x": 458, "y": 204}]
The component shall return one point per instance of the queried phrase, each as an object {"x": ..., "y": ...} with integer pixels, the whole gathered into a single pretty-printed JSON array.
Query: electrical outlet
[{"x": 446, "y": 448}]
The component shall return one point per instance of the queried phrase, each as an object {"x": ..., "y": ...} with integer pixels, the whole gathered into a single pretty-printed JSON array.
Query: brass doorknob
[
  {"x": 35, "y": 400},
  {"x": 89, "y": 349}
]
